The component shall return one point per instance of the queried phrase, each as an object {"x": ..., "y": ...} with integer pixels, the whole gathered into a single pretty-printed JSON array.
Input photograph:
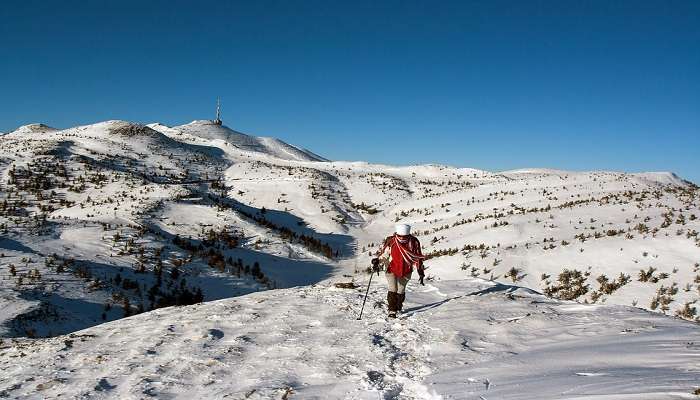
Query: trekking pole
[{"x": 367, "y": 292}]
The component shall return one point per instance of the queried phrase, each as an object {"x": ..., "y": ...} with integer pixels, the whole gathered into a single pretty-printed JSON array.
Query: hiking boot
[
  {"x": 392, "y": 302},
  {"x": 400, "y": 297}
]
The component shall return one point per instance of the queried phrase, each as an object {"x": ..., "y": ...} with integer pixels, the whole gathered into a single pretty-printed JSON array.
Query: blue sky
[{"x": 495, "y": 85}]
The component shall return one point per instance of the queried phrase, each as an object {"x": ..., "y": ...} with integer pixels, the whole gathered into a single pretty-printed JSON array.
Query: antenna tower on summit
[{"x": 217, "y": 121}]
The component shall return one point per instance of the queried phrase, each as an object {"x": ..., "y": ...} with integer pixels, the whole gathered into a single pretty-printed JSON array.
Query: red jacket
[{"x": 405, "y": 254}]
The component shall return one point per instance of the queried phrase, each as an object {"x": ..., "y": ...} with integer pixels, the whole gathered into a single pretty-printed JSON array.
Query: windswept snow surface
[{"x": 463, "y": 339}]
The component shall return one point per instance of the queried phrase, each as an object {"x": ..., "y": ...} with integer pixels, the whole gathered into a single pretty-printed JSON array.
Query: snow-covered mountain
[
  {"x": 31, "y": 129},
  {"x": 532, "y": 273},
  {"x": 206, "y": 131}
]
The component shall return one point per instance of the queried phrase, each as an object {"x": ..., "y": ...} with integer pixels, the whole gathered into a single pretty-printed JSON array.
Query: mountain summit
[{"x": 229, "y": 139}]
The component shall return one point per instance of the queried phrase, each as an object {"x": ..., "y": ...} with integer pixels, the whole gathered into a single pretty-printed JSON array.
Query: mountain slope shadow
[
  {"x": 342, "y": 243},
  {"x": 10, "y": 244}
]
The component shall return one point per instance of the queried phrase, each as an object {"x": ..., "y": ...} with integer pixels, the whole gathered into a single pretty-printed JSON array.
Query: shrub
[
  {"x": 513, "y": 274},
  {"x": 645, "y": 276},
  {"x": 570, "y": 285},
  {"x": 609, "y": 287},
  {"x": 687, "y": 312},
  {"x": 664, "y": 297}
]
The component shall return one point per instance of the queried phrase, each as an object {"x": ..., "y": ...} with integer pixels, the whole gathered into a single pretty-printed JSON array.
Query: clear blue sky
[{"x": 494, "y": 85}]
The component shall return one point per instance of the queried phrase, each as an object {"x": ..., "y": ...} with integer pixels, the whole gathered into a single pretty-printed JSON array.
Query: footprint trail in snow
[{"x": 466, "y": 339}]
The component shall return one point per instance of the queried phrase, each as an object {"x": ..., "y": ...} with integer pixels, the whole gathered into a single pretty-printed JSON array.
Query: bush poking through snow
[
  {"x": 664, "y": 297},
  {"x": 688, "y": 311},
  {"x": 514, "y": 274},
  {"x": 645, "y": 276},
  {"x": 609, "y": 287},
  {"x": 570, "y": 285}
]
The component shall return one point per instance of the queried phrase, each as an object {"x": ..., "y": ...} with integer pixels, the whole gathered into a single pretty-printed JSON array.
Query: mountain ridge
[{"x": 251, "y": 142}]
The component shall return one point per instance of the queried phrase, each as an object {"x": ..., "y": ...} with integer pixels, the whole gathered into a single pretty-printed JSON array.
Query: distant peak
[
  {"x": 203, "y": 122},
  {"x": 129, "y": 129},
  {"x": 35, "y": 128}
]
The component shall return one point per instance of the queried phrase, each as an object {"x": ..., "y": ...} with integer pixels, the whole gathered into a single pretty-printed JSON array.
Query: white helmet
[{"x": 403, "y": 229}]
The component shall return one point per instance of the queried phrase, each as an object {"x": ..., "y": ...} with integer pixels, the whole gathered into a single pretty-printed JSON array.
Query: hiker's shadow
[
  {"x": 496, "y": 288},
  {"x": 426, "y": 307}
]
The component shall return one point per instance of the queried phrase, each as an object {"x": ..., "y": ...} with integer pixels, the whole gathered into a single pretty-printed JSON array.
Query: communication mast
[{"x": 217, "y": 121}]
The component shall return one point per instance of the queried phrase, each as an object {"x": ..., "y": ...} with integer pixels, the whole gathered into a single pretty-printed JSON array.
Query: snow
[
  {"x": 472, "y": 332},
  {"x": 31, "y": 129},
  {"x": 458, "y": 340},
  {"x": 668, "y": 178},
  {"x": 227, "y": 138}
]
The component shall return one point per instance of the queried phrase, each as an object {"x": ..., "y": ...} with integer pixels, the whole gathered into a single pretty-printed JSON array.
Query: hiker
[{"x": 404, "y": 254}]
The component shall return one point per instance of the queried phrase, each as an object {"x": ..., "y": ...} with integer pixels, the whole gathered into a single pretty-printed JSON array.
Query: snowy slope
[
  {"x": 230, "y": 139},
  {"x": 464, "y": 339},
  {"x": 90, "y": 210},
  {"x": 476, "y": 223},
  {"x": 31, "y": 129}
]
